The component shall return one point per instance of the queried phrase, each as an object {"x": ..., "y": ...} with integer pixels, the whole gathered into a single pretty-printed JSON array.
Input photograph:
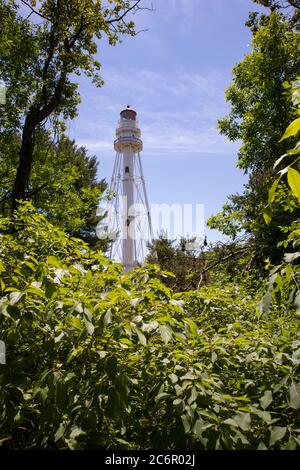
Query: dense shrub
[{"x": 100, "y": 359}]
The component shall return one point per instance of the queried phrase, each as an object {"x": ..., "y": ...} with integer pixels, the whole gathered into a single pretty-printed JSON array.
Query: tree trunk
[{"x": 25, "y": 162}]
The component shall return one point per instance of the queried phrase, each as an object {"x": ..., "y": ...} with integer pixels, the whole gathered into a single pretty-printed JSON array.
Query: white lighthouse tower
[{"x": 131, "y": 213}]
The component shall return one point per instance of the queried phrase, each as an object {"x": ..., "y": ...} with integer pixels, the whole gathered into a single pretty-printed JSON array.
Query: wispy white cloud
[{"x": 177, "y": 111}]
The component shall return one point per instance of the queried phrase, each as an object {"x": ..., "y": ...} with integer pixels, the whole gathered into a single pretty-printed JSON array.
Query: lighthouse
[{"x": 130, "y": 206}]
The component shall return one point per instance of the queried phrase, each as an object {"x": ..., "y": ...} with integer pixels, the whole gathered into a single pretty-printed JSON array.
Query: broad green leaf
[
  {"x": 53, "y": 261},
  {"x": 36, "y": 291},
  {"x": 266, "y": 399},
  {"x": 18, "y": 418},
  {"x": 178, "y": 303},
  {"x": 198, "y": 427},
  {"x": 281, "y": 384},
  {"x": 76, "y": 323},
  {"x": 267, "y": 215},
  {"x": 89, "y": 326},
  {"x": 126, "y": 341},
  {"x": 140, "y": 335},
  {"x": 60, "y": 432},
  {"x": 168, "y": 274},
  {"x": 75, "y": 352},
  {"x": 193, "y": 396},
  {"x": 186, "y": 421},
  {"x": 266, "y": 416},
  {"x": 135, "y": 302},
  {"x": 179, "y": 405},
  {"x": 166, "y": 333},
  {"x": 173, "y": 378},
  {"x": 291, "y": 445},
  {"x": 243, "y": 420},
  {"x": 230, "y": 422},
  {"x": 107, "y": 317},
  {"x": 192, "y": 327},
  {"x": 15, "y": 297},
  {"x": 292, "y": 130},
  {"x": 272, "y": 191},
  {"x": 43, "y": 393},
  {"x": 277, "y": 434},
  {"x": 293, "y": 395},
  {"x": 30, "y": 265},
  {"x": 102, "y": 354},
  {"x": 262, "y": 446},
  {"x": 50, "y": 290},
  {"x": 161, "y": 396},
  {"x": 294, "y": 182},
  {"x": 72, "y": 439}
]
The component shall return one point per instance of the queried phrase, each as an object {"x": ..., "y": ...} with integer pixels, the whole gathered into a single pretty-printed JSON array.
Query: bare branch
[
  {"x": 134, "y": 8},
  {"x": 35, "y": 11},
  {"x": 220, "y": 261},
  {"x": 295, "y": 4},
  {"x": 144, "y": 8},
  {"x": 142, "y": 31},
  {"x": 35, "y": 191},
  {"x": 115, "y": 20}
]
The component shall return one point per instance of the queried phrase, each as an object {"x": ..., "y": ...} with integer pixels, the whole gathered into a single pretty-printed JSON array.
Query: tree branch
[
  {"x": 220, "y": 261},
  {"x": 35, "y": 11},
  {"x": 35, "y": 191},
  {"x": 38, "y": 115},
  {"x": 48, "y": 60},
  {"x": 133, "y": 8},
  {"x": 295, "y": 3}
]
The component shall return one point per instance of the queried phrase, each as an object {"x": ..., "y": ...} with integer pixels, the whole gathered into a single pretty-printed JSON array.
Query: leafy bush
[
  {"x": 218, "y": 306},
  {"x": 284, "y": 280},
  {"x": 101, "y": 359}
]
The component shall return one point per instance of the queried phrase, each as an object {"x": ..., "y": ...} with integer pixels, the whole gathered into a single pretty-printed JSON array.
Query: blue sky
[{"x": 174, "y": 76}]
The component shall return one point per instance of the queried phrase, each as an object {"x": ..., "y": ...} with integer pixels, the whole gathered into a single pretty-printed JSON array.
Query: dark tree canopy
[
  {"x": 290, "y": 9},
  {"x": 39, "y": 57},
  {"x": 63, "y": 184},
  {"x": 260, "y": 112}
]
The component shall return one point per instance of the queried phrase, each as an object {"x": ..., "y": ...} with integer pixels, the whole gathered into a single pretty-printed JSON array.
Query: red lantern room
[{"x": 128, "y": 113}]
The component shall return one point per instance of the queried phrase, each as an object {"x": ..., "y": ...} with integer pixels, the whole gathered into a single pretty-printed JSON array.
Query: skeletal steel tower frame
[{"x": 131, "y": 218}]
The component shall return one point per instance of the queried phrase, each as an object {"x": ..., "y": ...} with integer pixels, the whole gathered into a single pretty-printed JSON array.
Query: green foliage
[
  {"x": 63, "y": 184},
  {"x": 183, "y": 261},
  {"x": 284, "y": 280},
  {"x": 38, "y": 54},
  {"x": 189, "y": 265},
  {"x": 219, "y": 305},
  {"x": 96, "y": 358},
  {"x": 228, "y": 221},
  {"x": 39, "y": 58},
  {"x": 289, "y": 8},
  {"x": 260, "y": 113},
  {"x": 101, "y": 359}
]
